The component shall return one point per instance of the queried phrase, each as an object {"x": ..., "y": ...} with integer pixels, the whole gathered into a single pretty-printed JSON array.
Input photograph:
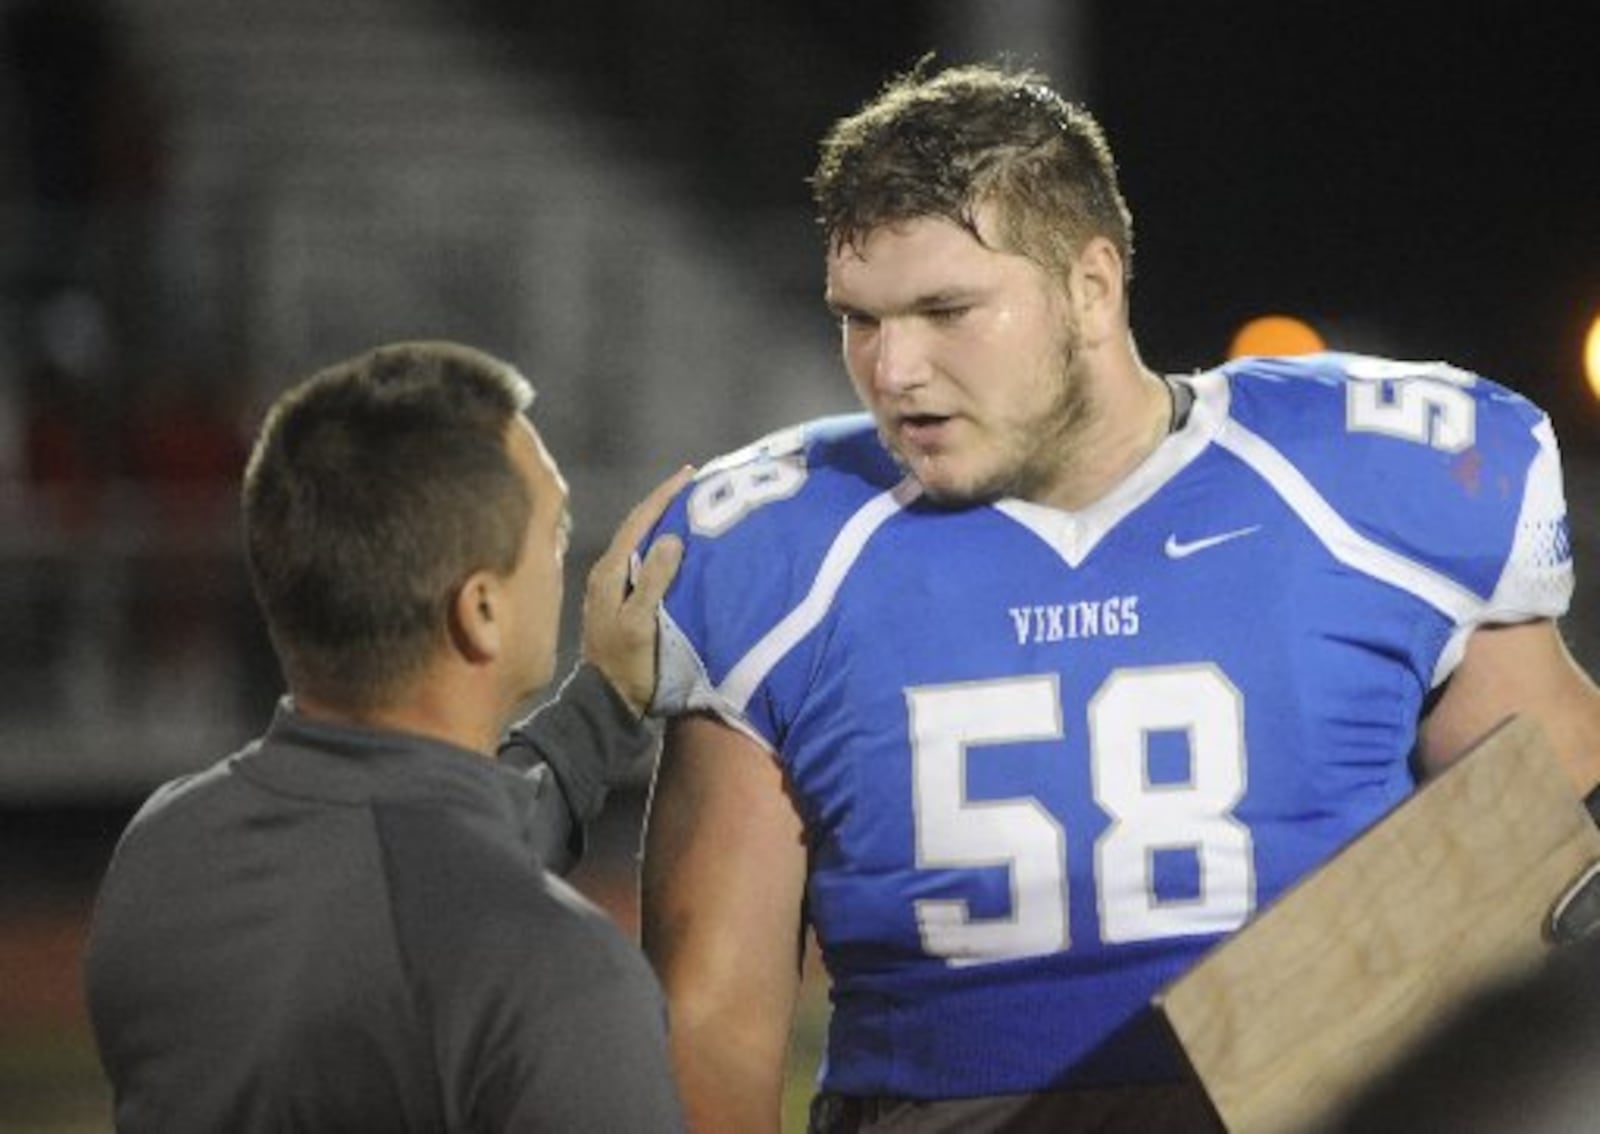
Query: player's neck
[{"x": 1132, "y": 414}]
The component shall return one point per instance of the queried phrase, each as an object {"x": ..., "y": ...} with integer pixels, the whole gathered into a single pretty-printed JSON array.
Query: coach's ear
[{"x": 477, "y": 617}]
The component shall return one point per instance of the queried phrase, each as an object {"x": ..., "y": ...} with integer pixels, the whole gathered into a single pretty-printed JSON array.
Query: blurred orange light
[
  {"x": 1591, "y": 357},
  {"x": 1276, "y": 334}
]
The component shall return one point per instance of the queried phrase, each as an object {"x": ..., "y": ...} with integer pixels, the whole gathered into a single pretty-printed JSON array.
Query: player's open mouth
[{"x": 922, "y": 428}]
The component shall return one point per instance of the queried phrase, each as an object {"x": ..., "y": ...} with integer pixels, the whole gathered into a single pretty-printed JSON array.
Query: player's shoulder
[
  {"x": 1364, "y": 401},
  {"x": 847, "y": 443},
  {"x": 761, "y": 526},
  {"x": 805, "y": 476},
  {"x": 1447, "y": 467}
]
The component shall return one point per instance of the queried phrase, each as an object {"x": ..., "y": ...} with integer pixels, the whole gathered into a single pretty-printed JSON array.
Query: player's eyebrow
[
  {"x": 932, "y": 301},
  {"x": 949, "y": 297}
]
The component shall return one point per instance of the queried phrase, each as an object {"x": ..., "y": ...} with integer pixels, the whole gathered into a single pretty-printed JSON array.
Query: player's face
[
  {"x": 965, "y": 356},
  {"x": 535, "y": 586}
]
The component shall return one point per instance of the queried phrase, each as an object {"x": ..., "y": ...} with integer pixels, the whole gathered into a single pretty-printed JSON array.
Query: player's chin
[
  {"x": 945, "y": 487},
  {"x": 945, "y": 477}
]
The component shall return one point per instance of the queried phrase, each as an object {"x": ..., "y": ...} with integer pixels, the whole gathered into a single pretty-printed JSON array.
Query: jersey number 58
[{"x": 951, "y": 724}]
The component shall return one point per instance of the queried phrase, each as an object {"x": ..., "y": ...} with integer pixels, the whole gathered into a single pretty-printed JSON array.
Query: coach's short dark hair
[
  {"x": 375, "y": 488},
  {"x": 941, "y": 145}
]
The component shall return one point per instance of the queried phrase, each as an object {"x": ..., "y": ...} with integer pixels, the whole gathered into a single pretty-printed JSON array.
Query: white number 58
[{"x": 951, "y": 724}]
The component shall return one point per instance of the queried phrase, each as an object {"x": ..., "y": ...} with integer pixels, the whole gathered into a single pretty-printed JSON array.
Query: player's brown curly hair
[{"x": 942, "y": 144}]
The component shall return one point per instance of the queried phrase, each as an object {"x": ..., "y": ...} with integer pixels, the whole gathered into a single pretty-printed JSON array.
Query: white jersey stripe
[
  {"x": 1346, "y": 544},
  {"x": 752, "y": 669}
]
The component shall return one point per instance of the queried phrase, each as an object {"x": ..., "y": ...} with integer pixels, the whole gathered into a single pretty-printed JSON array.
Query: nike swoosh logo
[{"x": 1178, "y": 549}]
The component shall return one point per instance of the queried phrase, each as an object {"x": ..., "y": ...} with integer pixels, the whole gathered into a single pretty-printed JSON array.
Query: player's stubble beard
[{"x": 1037, "y": 454}]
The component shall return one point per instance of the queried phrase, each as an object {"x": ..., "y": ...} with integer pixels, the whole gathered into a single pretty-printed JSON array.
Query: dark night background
[
  {"x": 1428, "y": 171},
  {"x": 1421, "y": 179}
]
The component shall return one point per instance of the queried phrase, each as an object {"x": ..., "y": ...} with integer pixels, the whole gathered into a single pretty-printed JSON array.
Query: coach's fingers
[
  {"x": 655, "y": 574},
  {"x": 619, "y": 623},
  {"x": 612, "y": 568}
]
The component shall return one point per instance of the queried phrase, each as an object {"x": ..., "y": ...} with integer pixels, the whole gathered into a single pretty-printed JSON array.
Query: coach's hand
[{"x": 619, "y": 622}]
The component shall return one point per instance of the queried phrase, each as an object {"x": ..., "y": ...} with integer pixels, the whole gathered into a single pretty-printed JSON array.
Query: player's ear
[
  {"x": 1098, "y": 292},
  {"x": 477, "y": 617}
]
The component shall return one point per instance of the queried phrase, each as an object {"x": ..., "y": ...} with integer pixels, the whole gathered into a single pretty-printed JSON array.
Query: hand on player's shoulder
[{"x": 621, "y": 600}]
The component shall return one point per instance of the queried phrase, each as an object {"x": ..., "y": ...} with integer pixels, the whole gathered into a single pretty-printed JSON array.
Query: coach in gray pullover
[{"x": 350, "y": 925}]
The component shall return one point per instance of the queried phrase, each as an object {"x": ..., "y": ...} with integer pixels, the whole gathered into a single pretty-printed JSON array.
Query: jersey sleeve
[
  {"x": 1538, "y": 579},
  {"x": 757, "y": 527},
  {"x": 1455, "y": 473}
]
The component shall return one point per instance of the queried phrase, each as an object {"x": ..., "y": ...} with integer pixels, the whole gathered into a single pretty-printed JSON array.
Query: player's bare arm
[
  {"x": 1526, "y": 669},
  {"x": 723, "y": 880}
]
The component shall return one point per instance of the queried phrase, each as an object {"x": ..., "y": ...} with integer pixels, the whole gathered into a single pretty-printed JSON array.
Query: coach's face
[{"x": 535, "y": 586}]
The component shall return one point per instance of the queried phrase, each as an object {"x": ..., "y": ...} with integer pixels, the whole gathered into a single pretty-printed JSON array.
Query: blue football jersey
[{"x": 1046, "y": 759}]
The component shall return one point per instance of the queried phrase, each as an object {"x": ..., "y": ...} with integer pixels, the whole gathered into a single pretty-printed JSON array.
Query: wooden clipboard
[{"x": 1287, "y": 1019}]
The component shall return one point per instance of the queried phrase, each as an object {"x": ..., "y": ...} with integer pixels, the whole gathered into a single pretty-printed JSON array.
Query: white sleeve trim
[
  {"x": 682, "y": 685},
  {"x": 1537, "y": 581}
]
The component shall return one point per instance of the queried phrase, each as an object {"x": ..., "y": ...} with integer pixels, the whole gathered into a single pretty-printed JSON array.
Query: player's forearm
[
  {"x": 731, "y": 998},
  {"x": 729, "y": 1014},
  {"x": 730, "y": 1010},
  {"x": 730, "y": 1081}
]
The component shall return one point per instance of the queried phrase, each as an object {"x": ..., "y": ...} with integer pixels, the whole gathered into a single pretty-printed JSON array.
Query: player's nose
[{"x": 901, "y": 361}]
